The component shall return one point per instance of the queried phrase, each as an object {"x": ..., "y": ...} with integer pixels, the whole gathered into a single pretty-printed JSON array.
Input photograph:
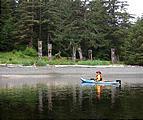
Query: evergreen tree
[
  {"x": 133, "y": 47},
  {"x": 98, "y": 27},
  {"x": 50, "y": 21},
  {"x": 24, "y": 32},
  {"x": 6, "y": 24},
  {"x": 118, "y": 21}
]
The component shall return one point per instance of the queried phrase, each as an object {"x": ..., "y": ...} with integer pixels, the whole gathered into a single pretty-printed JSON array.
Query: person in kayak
[{"x": 98, "y": 76}]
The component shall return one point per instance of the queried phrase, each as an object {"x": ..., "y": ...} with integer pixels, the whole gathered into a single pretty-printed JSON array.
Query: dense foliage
[{"x": 98, "y": 25}]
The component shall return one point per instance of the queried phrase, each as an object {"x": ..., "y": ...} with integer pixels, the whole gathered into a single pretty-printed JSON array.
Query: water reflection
[
  {"x": 99, "y": 89},
  {"x": 40, "y": 100},
  {"x": 55, "y": 99},
  {"x": 49, "y": 96}
]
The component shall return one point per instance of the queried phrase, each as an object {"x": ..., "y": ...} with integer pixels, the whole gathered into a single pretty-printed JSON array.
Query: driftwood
[{"x": 58, "y": 55}]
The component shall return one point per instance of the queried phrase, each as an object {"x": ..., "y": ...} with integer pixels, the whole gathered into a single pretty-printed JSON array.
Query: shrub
[
  {"x": 15, "y": 62},
  {"x": 41, "y": 63},
  {"x": 30, "y": 52}
]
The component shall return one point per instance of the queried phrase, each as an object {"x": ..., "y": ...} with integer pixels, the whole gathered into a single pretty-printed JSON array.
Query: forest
[{"x": 96, "y": 25}]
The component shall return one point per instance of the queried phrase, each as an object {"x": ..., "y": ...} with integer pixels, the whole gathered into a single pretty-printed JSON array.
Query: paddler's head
[{"x": 98, "y": 72}]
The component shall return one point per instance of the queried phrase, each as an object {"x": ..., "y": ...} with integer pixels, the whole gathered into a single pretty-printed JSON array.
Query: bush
[
  {"x": 30, "y": 52},
  {"x": 41, "y": 63},
  {"x": 19, "y": 54}
]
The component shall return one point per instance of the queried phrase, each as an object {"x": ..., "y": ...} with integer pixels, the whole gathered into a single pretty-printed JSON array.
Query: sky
[{"x": 135, "y": 7}]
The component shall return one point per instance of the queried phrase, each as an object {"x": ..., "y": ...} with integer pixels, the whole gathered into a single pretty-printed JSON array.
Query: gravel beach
[{"x": 66, "y": 74}]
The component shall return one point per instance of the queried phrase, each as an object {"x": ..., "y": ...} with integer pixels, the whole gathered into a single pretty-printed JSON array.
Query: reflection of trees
[
  {"x": 40, "y": 100},
  {"x": 71, "y": 101},
  {"x": 74, "y": 95},
  {"x": 91, "y": 96},
  {"x": 113, "y": 91},
  {"x": 77, "y": 95},
  {"x": 49, "y": 96},
  {"x": 80, "y": 97}
]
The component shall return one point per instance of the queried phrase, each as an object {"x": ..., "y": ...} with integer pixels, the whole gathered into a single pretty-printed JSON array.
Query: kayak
[
  {"x": 117, "y": 82},
  {"x": 93, "y": 84}
]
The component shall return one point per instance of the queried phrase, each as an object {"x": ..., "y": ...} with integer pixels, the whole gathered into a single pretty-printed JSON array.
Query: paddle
[{"x": 118, "y": 81}]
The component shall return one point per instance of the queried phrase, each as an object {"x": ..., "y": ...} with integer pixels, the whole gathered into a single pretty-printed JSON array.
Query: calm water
[{"x": 62, "y": 96}]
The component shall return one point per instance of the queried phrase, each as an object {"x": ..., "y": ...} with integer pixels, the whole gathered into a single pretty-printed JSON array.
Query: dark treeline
[{"x": 98, "y": 25}]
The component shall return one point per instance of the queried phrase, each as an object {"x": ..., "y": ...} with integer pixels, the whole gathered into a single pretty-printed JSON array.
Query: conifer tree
[
  {"x": 6, "y": 24},
  {"x": 133, "y": 47},
  {"x": 118, "y": 21},
  {"x": 24, "y": 27}
]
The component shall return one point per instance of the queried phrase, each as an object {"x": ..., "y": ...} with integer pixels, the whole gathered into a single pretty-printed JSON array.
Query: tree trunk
[
  {"x": 80, "y": 53},
  {"x": 74, "y": 54},
  {"x": 40, "y": 50},
  {"x": 31, "y": 38},
  {"x": 40, "y": 23},
  {"x": 50, "y": 52},
  {"x": 31, "y": 28},
  {"x": 90, "y": 54}
]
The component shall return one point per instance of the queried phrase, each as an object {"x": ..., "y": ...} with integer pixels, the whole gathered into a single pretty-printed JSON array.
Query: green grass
[
  {"x": 21, "y": 57},
  {"x": 93, "y": 62},
  {"x": 27, "y": 63},
  {"x": 17, "y": 57},
  {"x": 41, "y": 63},
  {"x": 61, "y": 61}
]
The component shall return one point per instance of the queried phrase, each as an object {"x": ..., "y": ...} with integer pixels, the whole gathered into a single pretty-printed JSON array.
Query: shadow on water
[{"x": 63, "y": 97}]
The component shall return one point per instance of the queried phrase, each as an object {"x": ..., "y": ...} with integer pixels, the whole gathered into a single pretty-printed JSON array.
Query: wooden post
[
  {"x": 80, "y": 53},
  {"x": 74, "y": 54},
  {"x": 50, "y": 52},
  {"x": 40, "y": 50},
  {"x": 118, "y": 60},
  {"x": 113, "y": 56},
  {"x": 90, "y": 54}
]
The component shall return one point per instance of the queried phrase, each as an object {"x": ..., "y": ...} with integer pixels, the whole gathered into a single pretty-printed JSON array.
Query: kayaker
[{"x": 98, "y": 76}]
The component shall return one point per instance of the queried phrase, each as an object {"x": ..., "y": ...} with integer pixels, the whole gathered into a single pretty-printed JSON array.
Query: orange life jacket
[{"x": 99, "y": 77}]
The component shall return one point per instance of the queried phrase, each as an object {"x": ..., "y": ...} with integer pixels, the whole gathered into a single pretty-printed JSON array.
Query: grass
[
  {"x": 94, "y": 62},
  {"x": 19, "y": 57},
  {"x": 41, "y": 63},
  {"x": 27, "y": 63}
]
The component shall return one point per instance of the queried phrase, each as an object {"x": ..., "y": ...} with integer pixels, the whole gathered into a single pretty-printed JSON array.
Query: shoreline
[{"x": 64, "y": 66}]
